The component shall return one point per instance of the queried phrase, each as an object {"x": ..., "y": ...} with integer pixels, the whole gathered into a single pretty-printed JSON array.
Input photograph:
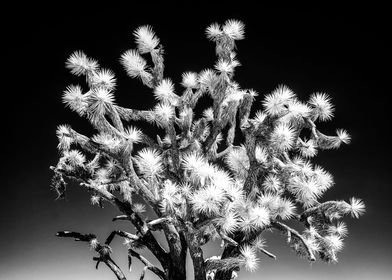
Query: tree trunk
[
  {"x": 177, "y": 272},
  {"x": 177, "y": 267}
]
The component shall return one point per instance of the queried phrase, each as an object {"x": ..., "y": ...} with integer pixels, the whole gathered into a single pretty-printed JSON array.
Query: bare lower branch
[
  {"x": 148, "y": 264},
  {"x": 102, "y": 250}
]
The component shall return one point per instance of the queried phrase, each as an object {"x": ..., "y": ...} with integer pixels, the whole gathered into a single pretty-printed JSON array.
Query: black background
[{"x": 338, "y": 50}]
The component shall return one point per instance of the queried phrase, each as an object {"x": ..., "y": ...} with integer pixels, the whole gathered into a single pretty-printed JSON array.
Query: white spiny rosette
[
  {"x": 285, "y": 208},
  {"x": 356, "y": 207},
  {"x": 164, "y": 92},
  {"x": 139, "y": 208},
  {"x": 234, "y": 29},
  {"x": 343, "y": 136},
  {"x": 135, "y": 66},
  {"x": 197, "y": 167},
  {"x": 296, "y": 113},
  {"x": 208, "y": 200},
  {"x": 235, "y": 193},
  {"x": 74, "y": 158},
  {"x": 163, "y": 114},
  {"x": 75, "y": 99},
  {"x": 190, "y": 80},
  {"x": 301, "y": 166},
  {"x": 259, "y": 216},
  {"x": 170, "y": 197},
  {"x": 322, "y": 108},
  {"x": 133, "y": 134},
  {"x": 250, "y": 260},
  {"x": 311, "y": 232},
  {"x": 269, "y": 201},
  {"x": 259, "y": 242},
  {"x": 226, "y": 67},
  {"x": 95, "y": 199},
  {"x": 101, "y": 176},
  {"x": 208, "y": 114},
  {"x": 229, "y": 222},
  {"x": 339, "y": 229},
  {"x": 103, "y": 78},
  {"x": 79, "y": 64},
  {"x": 272, "y": 184},
  {"x": 100, "y": 102},
  {"x": 207, "y": 79},
  {"x": 313, "y": 244},
  {"x": 93, "y": 243},
  {"x": 282, "y": 137},
  {"x": 307, "y": 168},
  {"x": 308, "y": 148},
  {"x": 146, "y": 39},
  {"x": 276, "y": 102},
  {"x": 305, "y": 190},
  {"x": 333, "y": 242},
  {"x": 261, "y": 154},
  {"x": 238, "y": 161},
  {"x": 323, "y": 177},
  {"x": 214, "y": 31},
  {"x": 149, "y": 162},
  {"x": 64, "y": 136},
  {"x": 220, "y": 177},
  {"x": 112, "y": 167},
  {"x": 234, "y": 95},
  {"x": 186, "y": 189},
  {"x": 298, "y": 160}
]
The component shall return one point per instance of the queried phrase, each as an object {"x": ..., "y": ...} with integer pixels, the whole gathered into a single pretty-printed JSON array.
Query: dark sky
[{"x": 338, "y": 50}]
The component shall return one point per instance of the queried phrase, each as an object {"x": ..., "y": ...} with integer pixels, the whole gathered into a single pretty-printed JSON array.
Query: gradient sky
[{"x": 341, "y": 51}]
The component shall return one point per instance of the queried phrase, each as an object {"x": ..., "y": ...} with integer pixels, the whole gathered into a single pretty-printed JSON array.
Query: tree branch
[
  {"x": 148, "y": 264},
  {"x": 104, "y": 253},
  {"x": 290, "y": 231}
]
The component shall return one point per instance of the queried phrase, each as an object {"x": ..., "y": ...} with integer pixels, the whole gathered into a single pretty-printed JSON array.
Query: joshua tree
[{"x": 227, "y": 173}]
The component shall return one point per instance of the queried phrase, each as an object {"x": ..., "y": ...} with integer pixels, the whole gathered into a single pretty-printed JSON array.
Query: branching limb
[
  {"x": 157, "y": 59},
  {"x": 122, "y": 234},
  {"x": 223, "y": 264},
  {"x": 325, "y": 210},
  {"x": 157, "y": 223},
  {"x": 133, "y": 114},
  {"x": 102, "y": 250},
  {"x": 284, "y": 228},
  {"x": 134, "y": 237},
  {"x": 147, "y": 264},
  {"x": 147, "y": 237}
]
